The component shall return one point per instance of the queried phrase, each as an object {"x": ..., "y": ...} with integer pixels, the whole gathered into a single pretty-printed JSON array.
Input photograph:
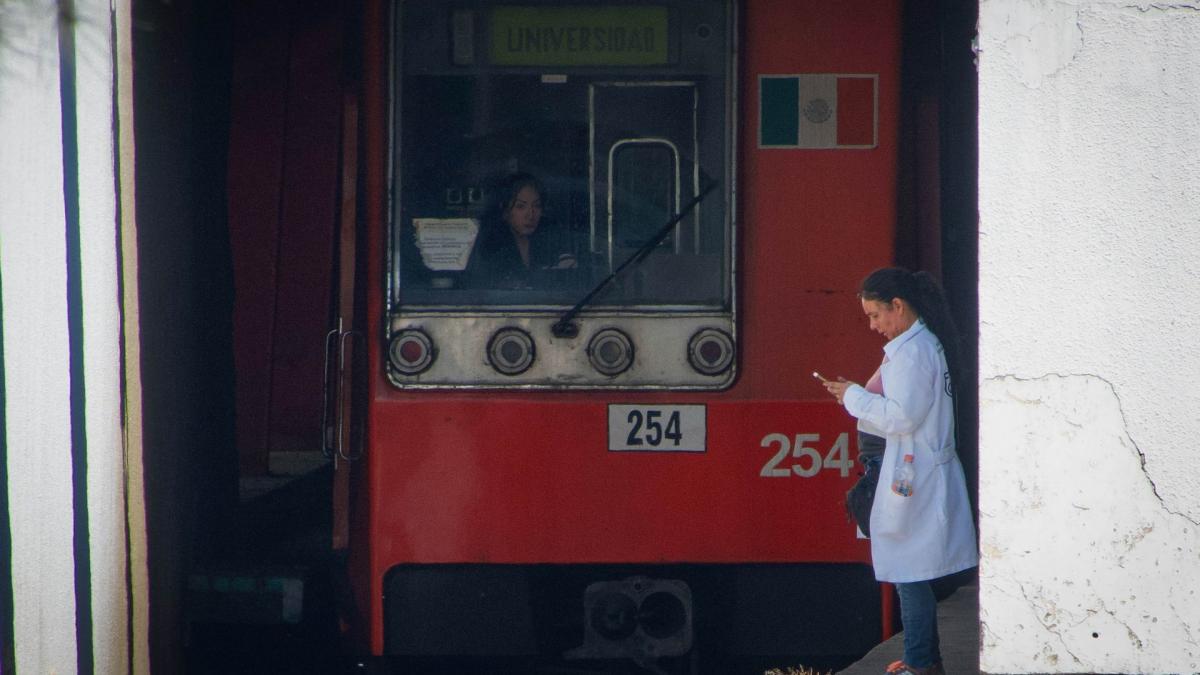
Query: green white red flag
[{"x": 818, "y": 111}]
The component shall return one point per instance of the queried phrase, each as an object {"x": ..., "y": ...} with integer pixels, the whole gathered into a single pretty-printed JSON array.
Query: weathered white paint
[
  {"x": 1089, "y": 127},
  {"x": 37, "y": 403},
  {"x": 1084, "y": 571},
  {"x": 33, "y": 265},
  {"x": 101, "y": 333}
]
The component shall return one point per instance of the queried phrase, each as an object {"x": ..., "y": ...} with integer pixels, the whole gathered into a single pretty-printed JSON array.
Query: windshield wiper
[{"x": 565, "y": 326}]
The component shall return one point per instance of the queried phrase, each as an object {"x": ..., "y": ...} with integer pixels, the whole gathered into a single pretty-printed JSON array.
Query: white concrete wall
[
  {"x": 46, "y": 353},
  {"x": 1089, "y": 128},
  {"x": 36, "y": 380}
]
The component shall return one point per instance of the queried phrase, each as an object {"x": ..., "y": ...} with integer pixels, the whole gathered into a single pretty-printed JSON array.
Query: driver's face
[{"x": 525, "y": 213}]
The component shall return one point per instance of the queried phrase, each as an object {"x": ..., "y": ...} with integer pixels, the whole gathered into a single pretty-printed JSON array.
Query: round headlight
[
  {"x": 510, "y": 351},
  {"x": 610, "y": 351},
  {"x": 411, "y": 351},
  {"x": 710, "y": 351}
]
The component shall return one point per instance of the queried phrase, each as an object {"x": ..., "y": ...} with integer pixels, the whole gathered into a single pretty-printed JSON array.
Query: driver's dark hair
[
  {"x": 501, "y": 192},
  {"x": 508, "y": 187},
  {"x": 925, "y": 295}
]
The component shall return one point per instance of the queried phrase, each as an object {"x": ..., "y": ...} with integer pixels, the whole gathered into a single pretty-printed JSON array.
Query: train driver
[{"x": 513, "y": 247}]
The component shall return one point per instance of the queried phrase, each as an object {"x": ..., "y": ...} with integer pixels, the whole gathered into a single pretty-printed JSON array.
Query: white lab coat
[{"x": 930, "y": 533}]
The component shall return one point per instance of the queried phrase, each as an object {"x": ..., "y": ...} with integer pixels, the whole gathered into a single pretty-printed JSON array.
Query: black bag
[{"x": 860, "y": 497}]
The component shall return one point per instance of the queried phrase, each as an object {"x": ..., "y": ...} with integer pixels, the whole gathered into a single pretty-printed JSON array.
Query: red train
[{"x": 627, "y": 460}]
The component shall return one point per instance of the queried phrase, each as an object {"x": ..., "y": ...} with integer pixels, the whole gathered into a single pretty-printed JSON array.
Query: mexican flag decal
[{"x": 818, "y": 111}]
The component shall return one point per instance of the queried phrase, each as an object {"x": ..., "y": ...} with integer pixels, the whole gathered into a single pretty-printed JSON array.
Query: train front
[{"x": 603, "y": 444}]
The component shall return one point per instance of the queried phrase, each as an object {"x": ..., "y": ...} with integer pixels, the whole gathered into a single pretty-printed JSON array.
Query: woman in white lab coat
[{"x": 929, "y": 532}]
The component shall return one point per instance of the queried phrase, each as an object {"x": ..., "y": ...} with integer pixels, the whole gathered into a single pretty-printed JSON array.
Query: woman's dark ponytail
[
  {"x": 925, "y": 295},
  {"x": 935, "y": 312}
]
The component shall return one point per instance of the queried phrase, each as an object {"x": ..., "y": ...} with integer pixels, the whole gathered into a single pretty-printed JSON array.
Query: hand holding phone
[{"x": 837, "y": 388}]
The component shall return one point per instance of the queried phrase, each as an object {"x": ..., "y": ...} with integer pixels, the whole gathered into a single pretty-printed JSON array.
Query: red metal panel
[
  {"x": 367, "y": 584},
  {"x": 307, "y": 214},
  {"x": 813, "y": 222},
  {"x": 528, "y": 481},
  {"x": 282, "y": 183},
  {"x": 258, "y": 103}
]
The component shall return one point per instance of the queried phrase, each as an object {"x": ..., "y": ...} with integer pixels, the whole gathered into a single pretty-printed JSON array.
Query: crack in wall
[
  {"x": 1189, "y": 636},
  {"x": 1133, "y": 637},
  {"x": 1124, "y": 426},
  {"x": 1050, "y": 628},
  {"x": 1074, "y": 448},
  {"x": 1163, "y": 7}
]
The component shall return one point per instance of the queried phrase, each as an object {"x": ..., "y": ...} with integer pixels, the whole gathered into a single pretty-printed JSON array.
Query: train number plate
[{"x": 657, "y": 428}]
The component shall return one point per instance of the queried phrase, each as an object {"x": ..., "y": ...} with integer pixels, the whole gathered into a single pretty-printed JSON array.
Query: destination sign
[{"x": 615, "y": 35}]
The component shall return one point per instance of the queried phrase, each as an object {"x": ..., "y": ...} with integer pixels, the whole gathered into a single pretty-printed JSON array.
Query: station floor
[{"x": 958, "y": 631}]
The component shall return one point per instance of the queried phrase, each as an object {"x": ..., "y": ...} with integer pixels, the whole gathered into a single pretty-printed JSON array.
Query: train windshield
[{"x": 538, "y": 146}]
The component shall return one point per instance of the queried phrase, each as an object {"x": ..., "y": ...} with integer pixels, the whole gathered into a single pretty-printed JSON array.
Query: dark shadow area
[
  {"x": 959, "y": 134},
  {"x": 264, "y": 603},
  {"x": 181, "y": 127}
]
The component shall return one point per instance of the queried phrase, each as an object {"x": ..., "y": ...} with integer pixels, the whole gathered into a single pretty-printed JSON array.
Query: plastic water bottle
[{"x": 902, "y": 479}]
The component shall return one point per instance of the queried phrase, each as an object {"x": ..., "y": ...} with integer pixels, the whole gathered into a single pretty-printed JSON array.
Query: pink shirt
[{"x": 875, "y": 384}]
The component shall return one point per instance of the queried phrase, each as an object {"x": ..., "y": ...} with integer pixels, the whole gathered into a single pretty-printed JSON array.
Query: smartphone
[{"x": 819, "y": 376}]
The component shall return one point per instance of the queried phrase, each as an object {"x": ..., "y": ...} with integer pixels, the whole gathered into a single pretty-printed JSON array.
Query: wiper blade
[{"x": 565, "y": 326}]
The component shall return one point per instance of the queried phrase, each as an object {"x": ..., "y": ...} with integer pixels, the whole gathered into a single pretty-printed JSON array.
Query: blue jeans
[{"x": 918, "y": 612}]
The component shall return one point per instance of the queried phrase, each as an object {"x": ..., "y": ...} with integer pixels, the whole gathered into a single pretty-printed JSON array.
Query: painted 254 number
[
  {"x": 649, "y": 427},
  {"x": 808, "y": 460},
  {"x": 657, "y": 428}
]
